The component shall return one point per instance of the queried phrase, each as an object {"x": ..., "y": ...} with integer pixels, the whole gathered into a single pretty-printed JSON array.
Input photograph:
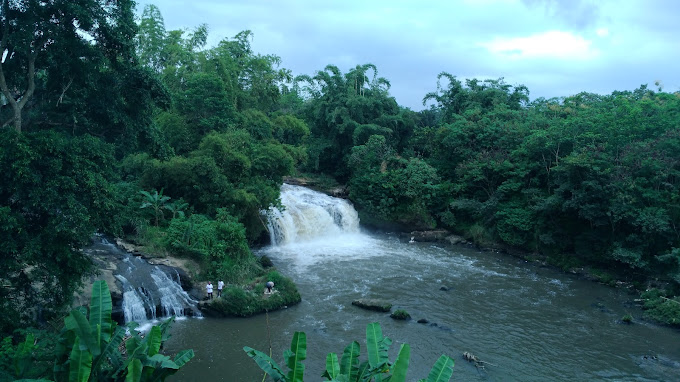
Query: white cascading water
[
  {"x": 173, "y": 298},
  {"x": 308, "y": 215},
  {"x": 134, "y": 306},
  {"x": 149, "y": 292}
]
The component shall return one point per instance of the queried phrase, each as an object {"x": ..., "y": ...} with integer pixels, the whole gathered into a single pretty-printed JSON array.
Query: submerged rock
[
  {"x": 400, "y": 314},
  {"x": 373, "y": 304},
  {"x": 423, "y": 321}
]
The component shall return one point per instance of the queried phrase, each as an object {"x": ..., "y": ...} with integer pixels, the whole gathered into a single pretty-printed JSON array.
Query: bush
[
  {"x": 240, "y": 302},
  {"x": 265, "y": 261},
  {"x": 478, "y": 235},
  {"x": 661, "y": 309}
]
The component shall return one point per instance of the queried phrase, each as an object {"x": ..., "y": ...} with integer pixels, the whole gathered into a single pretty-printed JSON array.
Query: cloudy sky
[{"x": 554, "y": 47}]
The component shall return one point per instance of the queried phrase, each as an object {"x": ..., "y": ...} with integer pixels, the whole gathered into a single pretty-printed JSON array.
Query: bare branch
[{"x": 61, "y": 97}]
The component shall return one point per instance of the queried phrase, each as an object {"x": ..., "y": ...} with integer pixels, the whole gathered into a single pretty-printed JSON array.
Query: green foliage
[
  {"x": 55, "y": 191},
  {"x": 290, "y": 130},
  {"x": 387, "y": 188},
  {"x": 156, "y": 201},
  {"x": 245, "y": 302},
  {"x": 62, "y": 74},
  {"x": 660, "y": 308},
  {"x": 228, "y": 170},
  {"x": 265, "y": 261},
  {"x": 220, "y": 245},
  {"x": 345, "y": 111},
  {"x": 89, "y": 349},
  {"x": 378, "y": 367}
]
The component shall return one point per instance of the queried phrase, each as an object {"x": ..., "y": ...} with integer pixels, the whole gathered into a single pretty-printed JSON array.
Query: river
[{"x": 529, "y": 323}]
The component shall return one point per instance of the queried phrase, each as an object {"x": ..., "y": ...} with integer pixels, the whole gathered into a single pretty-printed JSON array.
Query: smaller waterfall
[
  {"x": 149, "y": 291},
  {"x": 309, "y": 214},
  {"x": 135, "y": 307},
  {"x": 174, "y": 300}
]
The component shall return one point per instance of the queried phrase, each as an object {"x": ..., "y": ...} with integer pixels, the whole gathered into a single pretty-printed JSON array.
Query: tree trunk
[{"x": 17, "y": 106}]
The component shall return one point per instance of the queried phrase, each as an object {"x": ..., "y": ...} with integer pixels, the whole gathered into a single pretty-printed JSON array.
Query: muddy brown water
[{"x": 528, "y": 322}]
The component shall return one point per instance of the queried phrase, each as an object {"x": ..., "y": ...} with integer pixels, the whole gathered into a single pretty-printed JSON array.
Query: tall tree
[{"x": 24, "y": 32}]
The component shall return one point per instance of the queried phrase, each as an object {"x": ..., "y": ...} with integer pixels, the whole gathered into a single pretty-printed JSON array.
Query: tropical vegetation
[
  {"x": 377, "y": 367},
  {"x": 123, "y": 127},
  {"x": 92, "y": 347}
]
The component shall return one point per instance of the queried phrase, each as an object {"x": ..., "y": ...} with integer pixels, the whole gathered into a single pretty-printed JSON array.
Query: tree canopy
[{"x": 131, "y": 129}]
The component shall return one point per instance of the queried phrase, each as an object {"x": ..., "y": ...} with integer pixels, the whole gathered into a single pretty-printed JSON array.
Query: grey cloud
[
  {"x": 410, "y": 45},
  {"x": 579, "y": 14}
]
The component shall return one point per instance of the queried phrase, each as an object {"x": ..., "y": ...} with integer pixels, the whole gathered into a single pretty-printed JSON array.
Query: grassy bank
[{"x": 245, "y": 301}]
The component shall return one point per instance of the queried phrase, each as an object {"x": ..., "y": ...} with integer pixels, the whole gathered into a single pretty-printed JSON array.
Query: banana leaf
[
  {"x": 349, "y": 364},
  {"x": 77, "y": 322},
  {"x": 80, "y": 363},
  {"x": 183, "y": 357},
  {"x": 100, "y": 311},
  {"x": 154, "y": 340},
  {"x": 134, "y": 371},
  {"x": 377, "y": 346},
  {"x": 332, "y": 367},
  {"x": 265, "y": 363},
  {"x": 441, "y": 371},
  {"x": 401, "y": 364},
  {"x": 294, "y": 357}
]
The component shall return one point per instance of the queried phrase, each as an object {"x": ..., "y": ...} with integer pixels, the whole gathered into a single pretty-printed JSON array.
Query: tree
[
  {"x": 156, "y": 201},
  {"x": 55, "y": 192},
  {"x": 25, "y": 31},
  {"x": 345, "y": 111},
  {"x": 59, "y": 56}
]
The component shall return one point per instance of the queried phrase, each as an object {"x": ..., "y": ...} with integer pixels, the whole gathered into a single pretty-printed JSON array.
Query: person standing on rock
[
  {"x": 209, "y": 289},
  {"x": 269, "y": 285},
  {"x": 220, "y": 285}
]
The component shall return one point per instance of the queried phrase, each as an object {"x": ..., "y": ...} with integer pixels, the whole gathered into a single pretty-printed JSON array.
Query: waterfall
[
  {"x": 149, "y": 291},
  {"x": 134, "y": 306},
  {"x": 174, "y": 300},
  {"x": 308, "y": 214}
]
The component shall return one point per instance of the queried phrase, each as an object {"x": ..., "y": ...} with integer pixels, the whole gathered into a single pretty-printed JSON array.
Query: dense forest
[{"x": 119, "y": 126}]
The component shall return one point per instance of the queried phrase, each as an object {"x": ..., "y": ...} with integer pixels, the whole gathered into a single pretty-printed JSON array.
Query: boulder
[
  {"x": 400, "y": 314},
  {"x": 373, "y": 304},
  {"x": 454, "y": 239},
  {"x": 430, "y": 236}
]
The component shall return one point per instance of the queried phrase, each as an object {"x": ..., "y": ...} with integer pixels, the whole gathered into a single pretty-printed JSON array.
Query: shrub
[
  {"x": 237, "y": 301},
  {"x": 265, "y": 261},
  {"x": 659, "y": 308}
]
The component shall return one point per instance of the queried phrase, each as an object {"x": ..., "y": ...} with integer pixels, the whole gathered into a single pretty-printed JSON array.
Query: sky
[{"x": 554, "y": 47}]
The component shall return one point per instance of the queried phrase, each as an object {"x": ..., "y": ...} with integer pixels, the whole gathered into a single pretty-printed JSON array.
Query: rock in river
[{"x": 373, "y": 304}]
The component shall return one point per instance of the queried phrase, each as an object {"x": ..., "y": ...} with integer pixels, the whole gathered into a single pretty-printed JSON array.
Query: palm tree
[{"x": 156, "y": 201}]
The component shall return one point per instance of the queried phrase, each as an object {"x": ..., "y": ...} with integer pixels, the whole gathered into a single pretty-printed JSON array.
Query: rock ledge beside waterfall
[{"x": 335, "y": 190}]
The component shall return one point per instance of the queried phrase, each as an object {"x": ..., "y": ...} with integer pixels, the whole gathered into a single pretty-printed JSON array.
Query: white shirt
[
  {"x": 209, "y": 288},
  {"x": 220, "y": 284}
]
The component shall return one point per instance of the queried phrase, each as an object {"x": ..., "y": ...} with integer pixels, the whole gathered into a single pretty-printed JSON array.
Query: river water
[{"x": 529, "y": 323}]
